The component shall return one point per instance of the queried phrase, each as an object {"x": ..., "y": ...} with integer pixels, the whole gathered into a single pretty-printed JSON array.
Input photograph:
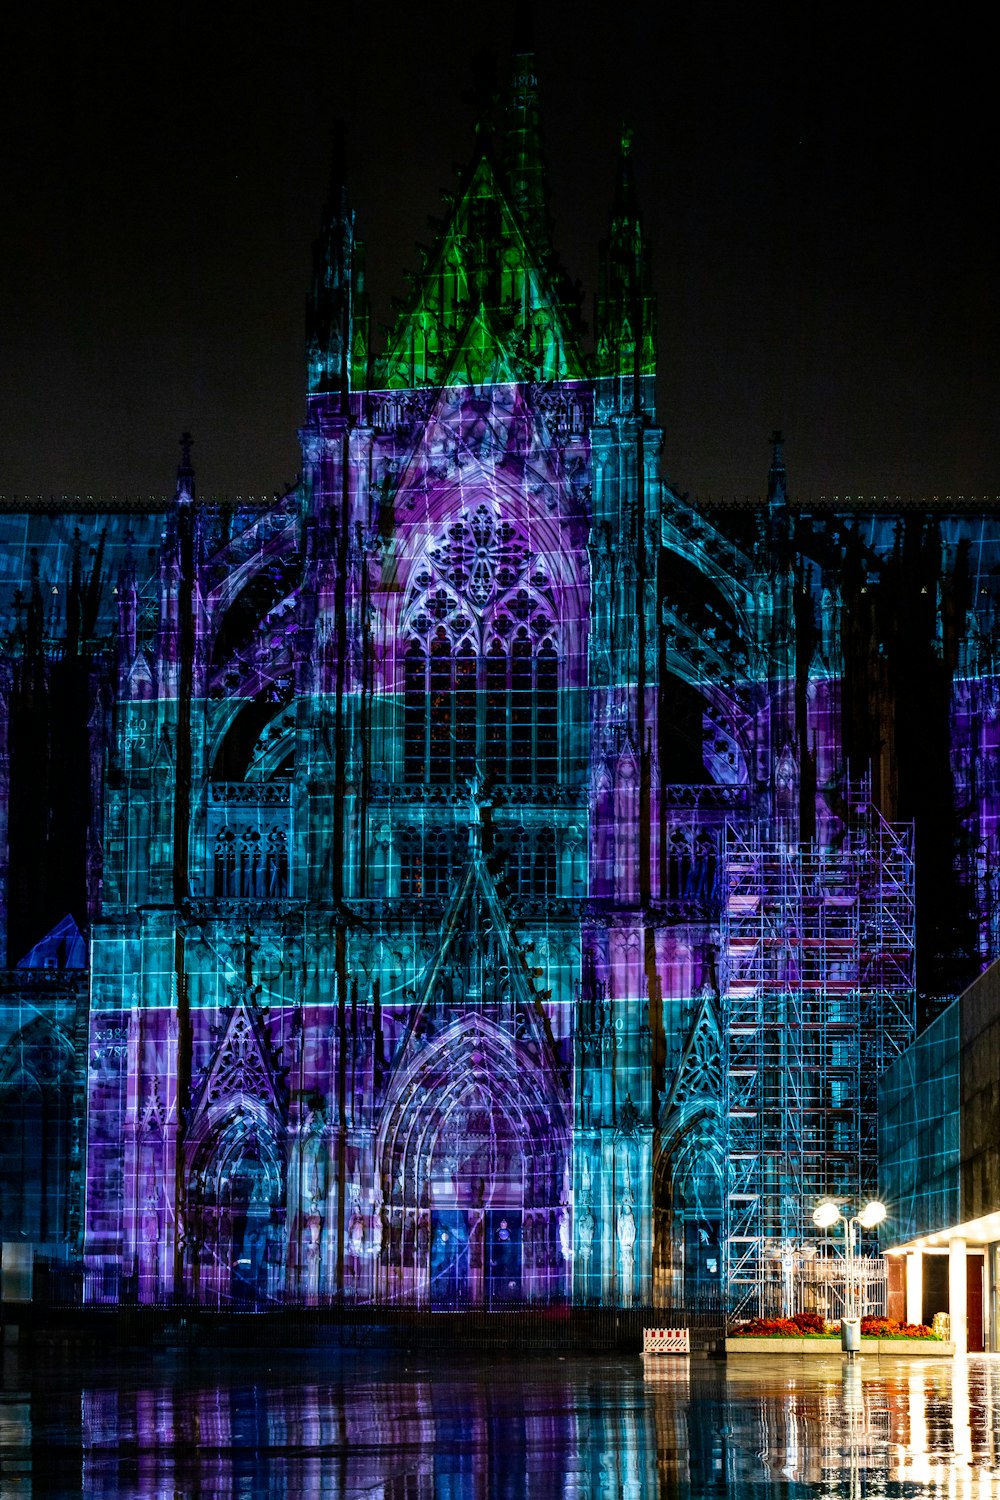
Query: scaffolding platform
[{"x": 819, "y": 999}]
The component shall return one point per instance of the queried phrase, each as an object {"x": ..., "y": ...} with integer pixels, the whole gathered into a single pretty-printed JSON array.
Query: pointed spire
[
  {"x": 626, "y": 306},
  {"x": 490, "y": 302},
  {"x": 185, "y": 471},
  {"x": 777, "y": 476},
  {"x": 626, "y": 204},
  {"x": 337, "y": 319},
  {"x": 521, "y": 150}
]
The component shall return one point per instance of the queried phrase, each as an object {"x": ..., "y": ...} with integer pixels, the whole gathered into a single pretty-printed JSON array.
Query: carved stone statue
[
  {"x": 585, "y": 1225},
  {"x": 565, "y": 1218},
  {"x": 626, "y": 1244},
  {"x": 378, "y": 1224},
  {"x": 356, "y": 1223},
  {"x": 314, "y": 1166}
]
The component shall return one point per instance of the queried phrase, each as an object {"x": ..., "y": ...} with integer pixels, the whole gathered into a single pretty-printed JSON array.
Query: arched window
[
  {"x": 411, "y": 864},
  {"x": 415, "y": 713},
  {"x": 276, "y": 863},
  {"x": 440, "y": 685},
  {"x": 250, "y": 862},
  {"x": 543, "y": 873},
  {"x": 225, "y": 863},
  {"x": 480, "y": 674}
]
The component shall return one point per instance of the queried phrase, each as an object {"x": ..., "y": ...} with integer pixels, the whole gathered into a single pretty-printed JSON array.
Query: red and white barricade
[{"x": 666, "y": 1341}]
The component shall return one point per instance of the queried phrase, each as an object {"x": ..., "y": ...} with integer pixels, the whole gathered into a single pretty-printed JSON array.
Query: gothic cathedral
[{"x": 490, "y": 874}]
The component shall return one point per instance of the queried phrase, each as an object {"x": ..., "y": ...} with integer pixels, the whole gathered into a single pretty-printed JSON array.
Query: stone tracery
[{"x": 481, "y": 669}]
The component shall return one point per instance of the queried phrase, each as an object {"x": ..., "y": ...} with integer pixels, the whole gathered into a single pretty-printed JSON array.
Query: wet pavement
[{"x": 421, "y": 1427}]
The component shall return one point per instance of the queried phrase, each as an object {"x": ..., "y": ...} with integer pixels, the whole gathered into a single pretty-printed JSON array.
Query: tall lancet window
[{"x": 480, "y": 673}]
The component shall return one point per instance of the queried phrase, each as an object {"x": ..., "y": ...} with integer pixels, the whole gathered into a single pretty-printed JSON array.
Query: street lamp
[
  {"x": 824, "y": 1217},
  {"x": 828, "y": 1213}
]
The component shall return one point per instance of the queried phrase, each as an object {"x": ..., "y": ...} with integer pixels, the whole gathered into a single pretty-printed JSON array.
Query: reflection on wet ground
[{"x": 419, "y": 1427}]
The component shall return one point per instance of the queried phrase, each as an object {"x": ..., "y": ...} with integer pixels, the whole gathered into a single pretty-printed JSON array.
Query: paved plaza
[{"x": 415, "y": 1427}]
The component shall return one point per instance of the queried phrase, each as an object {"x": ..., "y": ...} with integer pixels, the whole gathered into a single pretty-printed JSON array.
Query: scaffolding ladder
[{"x": 818, "y": 947}]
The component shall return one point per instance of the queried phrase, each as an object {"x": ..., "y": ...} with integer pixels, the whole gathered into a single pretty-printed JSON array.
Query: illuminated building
[
  {"x": 496, "y": 868},
  {"x": 940, "y": 1165}
]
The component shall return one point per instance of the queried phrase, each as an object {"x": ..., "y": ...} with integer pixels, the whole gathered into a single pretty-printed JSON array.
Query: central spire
[
  {"x": 521, "y": 145},
  {"x": 490, "y": 304}
]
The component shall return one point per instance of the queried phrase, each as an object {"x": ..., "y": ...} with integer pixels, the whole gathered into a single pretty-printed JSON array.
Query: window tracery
[
  {"x": 526, "y": 859},
  {"x": 480, "y": 675},
  {"x": 250, "y": 862},
  {"x": 428, "y": 857}
]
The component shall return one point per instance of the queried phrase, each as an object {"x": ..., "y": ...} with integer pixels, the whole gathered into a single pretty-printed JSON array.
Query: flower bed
[
  {"x": 804, "y": 1325},
  {"x": 892, "y": 1328},
  {"x": 811, "y": 1326},
  {"x": 807, "y": 1333}
]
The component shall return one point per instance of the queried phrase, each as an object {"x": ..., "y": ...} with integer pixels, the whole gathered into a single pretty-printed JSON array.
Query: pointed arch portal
[
  {"x": 687, "y": 1205},
  {"x": 36, "y": 1129},
  {"x": 236, "y": 1201},
  {"x": 689, "y": 1169},
  {"x": 473, "y": 1152}
]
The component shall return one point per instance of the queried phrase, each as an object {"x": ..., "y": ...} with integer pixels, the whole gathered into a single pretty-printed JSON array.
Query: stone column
[
  {"x": 957, "y": 1295},
  {"x": 914, "y": 1286}
]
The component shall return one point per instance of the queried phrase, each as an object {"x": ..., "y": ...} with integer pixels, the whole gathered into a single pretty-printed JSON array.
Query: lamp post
[{"x": 824, "y": 1217}]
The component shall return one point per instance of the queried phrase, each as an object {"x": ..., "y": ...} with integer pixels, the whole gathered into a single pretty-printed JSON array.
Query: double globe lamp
[
  {"x": 824, "y": 1217},
  {"x": 828, "y": 1213}
]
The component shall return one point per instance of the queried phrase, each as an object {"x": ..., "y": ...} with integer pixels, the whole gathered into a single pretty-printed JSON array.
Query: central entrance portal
[
  {"x": 455, "y": 1269},
  {"x": 474, "y": 1155}
]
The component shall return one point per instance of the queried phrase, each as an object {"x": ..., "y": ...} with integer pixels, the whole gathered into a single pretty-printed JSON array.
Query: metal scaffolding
[{"x": 819, "y": 998}]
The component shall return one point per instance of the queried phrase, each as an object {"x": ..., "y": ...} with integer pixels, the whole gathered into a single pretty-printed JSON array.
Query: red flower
[
  {"x": 762, "y": 1328},
  {"x": 891, "y": 1328}
]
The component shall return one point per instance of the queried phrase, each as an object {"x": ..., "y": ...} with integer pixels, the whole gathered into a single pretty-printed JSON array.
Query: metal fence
[
  {"x": 797, "y": 1281},
  {"x": 57, "y": 1311}
]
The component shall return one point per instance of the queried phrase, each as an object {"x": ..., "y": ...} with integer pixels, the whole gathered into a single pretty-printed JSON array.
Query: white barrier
[{"x": 666, "y": 1341}]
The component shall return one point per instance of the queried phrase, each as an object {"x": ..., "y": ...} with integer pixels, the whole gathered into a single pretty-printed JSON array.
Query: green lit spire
[
  {"x": 521, "y": 146},
  {"x": 626, "y": 305},
  {"x": 488, "y": 305}
]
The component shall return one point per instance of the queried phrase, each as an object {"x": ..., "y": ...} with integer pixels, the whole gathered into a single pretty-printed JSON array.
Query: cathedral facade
[{"x": 491, "y": 875}]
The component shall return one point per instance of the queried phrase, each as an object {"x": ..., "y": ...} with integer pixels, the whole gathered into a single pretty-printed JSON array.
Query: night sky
[{"x": 819, "y": 190}]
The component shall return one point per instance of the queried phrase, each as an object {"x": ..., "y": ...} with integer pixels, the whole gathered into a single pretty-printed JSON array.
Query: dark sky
[{"x": 819, "y": 188}]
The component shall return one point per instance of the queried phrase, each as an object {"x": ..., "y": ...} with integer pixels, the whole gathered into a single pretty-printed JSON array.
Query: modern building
[
  {"x": 939, "y": 1107},
  {"x": 483, "y": 873}
]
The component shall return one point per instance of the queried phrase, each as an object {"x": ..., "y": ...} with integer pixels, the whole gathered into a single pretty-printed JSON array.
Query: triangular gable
[
  {"x": 154, "y": 1116},
  {"x": 699, "y": 1074},
  {"x": 481, "y": 357},
  {"x": 242, "y": 1067},
  {"x": 139, "y": 674},
  {"x": 430, "y": 344},
  {"x": 65, "y": 947},
  {"x": 476, "y": 921},
  {"x": 472, "y": 432}
]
